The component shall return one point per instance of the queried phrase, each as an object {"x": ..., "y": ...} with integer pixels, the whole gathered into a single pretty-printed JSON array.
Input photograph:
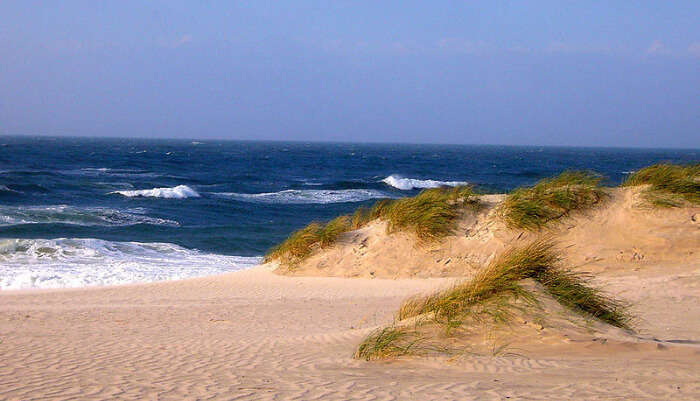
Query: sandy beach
[
  {"x": 257, "y": 335},
  {"x": 409, "y": 201}
]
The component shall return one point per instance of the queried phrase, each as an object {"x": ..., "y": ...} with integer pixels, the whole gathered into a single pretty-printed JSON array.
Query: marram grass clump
[
  {"x": 301, "y": 243},
  {"x": 297, "y": 246},
  {"x": 670, "y": 185},
  {"x": 496, "y": 294},
  {"x": 430, "y": 215},
  {"x": 534, "y": 207},
  {"x": 388, "y": 342}
]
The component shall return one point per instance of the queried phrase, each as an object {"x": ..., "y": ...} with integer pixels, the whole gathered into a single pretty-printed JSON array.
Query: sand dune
[{"x": 620, "y": 233}]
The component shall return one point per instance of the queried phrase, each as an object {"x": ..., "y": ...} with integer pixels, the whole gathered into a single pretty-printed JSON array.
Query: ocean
[{"x": 83, "y": 211}]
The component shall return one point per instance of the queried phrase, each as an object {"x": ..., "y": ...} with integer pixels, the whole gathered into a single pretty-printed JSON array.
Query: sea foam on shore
[{"x": 80, "y": 262}]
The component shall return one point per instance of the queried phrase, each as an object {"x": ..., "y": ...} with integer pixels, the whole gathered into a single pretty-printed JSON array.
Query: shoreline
[{"x": 108, "y": 286}]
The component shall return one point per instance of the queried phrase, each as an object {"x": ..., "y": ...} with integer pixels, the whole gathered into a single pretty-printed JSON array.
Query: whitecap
[
  {"x": 406, "y": 184},
  {"x": 81, "y": 216},
  {"x": 308, "y": 196},
  {"x": 72, "y": 262},
  {"x": 4, "y": 188},
  {"x": 178, "y": 192}
]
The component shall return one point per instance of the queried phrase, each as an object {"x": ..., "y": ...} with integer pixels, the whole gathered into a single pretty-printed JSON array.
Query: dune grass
[
  {"x": 431, "y": 215},
  {"x": 330, "y": 232},
  {"x": 360, "y": 218},
  {"x": 670, "y": 185},
  {"x": 297, "y": 246},
  {"x": 490, "y": 297},
  {"x": 387, "y": 342},
  {"x": 534, "y": 207},
  {"x": 537, "y": 260},
  {"x": 301, "y": 243}
]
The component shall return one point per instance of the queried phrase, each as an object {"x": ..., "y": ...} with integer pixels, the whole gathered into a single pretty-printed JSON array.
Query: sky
[{"x": 572, "y": 73}]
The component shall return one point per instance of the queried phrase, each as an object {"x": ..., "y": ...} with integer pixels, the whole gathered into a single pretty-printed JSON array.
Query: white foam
[
  {"x": 82, "y": 216},
  {"x": 406, "y": 184},
  {"x": 178, "y": 192},
  {"x": 3, "y": 188},
  {"x": 308, "y": 196},
  {"x": 57, "y": 263}
]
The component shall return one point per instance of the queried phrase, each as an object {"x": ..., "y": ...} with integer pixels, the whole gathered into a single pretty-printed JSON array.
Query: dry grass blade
[
  {"x": 569, "y": 288},
  {"x": 491, "y": 296},
  {"x": 360, "y": 218},
  {"x": 500, "y": 279},
  {"x": 388, "y": 342},
  {"x": 550, "y": 199},
  {"x": 670, "y": 185},
  {"x": 297, "y": 246},
  {"x": 430, "y": 215},
  {"x": 329, "y": 234}
]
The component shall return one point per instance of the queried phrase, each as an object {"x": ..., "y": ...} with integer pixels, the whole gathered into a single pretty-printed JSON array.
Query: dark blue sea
[{"x": 77, "y": 211}]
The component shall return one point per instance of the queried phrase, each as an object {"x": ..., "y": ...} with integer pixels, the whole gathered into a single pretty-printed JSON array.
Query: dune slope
[{"x": 621, "y": 232}]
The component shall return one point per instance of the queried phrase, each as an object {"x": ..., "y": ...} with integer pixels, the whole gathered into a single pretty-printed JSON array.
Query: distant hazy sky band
[{"x": 608, "y": 73}]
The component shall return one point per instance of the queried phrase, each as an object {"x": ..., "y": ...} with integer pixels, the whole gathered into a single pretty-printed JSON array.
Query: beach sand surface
[{"x": 255, "y": 335}]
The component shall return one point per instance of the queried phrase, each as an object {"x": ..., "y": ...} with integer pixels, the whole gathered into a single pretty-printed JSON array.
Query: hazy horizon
[
  {"x": 484, "y": 73},
  {"x": 340, "y": 142}
]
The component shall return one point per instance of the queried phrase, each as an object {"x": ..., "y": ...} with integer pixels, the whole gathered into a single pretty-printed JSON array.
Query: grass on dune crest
[
  {"x": 301, "y": 243},
  {"x": 490, "y": 297},
  {"x": 534, "y": 207},
  {"x": 297, "y": 246},
  {"x": 670, "y": 185},
  {"x": 431, "y": 215},
  {"x": 329, "y": 233}
]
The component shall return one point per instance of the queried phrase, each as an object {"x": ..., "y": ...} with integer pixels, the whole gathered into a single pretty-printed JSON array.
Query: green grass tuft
[
  {"x": 431, "y": 215},
  {"x": 569, "y": 288},
  {"x": 670, "y": 185},
  {"x": 297, "y": 246},
  {"x": 329, "y": 234},
  {"x": 491, "y": 292},
  {"x": 360, "y": 218},
  {"x": 490, "y": 299},
  {"x": 379, "y": 209},
  {"x": 387, "y": 342},
  {"x": 534, "y": 207}
]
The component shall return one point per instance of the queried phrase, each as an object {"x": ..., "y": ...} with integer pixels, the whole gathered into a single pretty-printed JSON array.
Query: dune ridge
[{"x": 619, "y": 231}]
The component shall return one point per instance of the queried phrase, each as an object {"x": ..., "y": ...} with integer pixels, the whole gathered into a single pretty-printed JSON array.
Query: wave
[
  {"x": 308, "y": 196},
  {"x": 4, "y": 188},
  {"x": 406, "y": 184},
  {"x": 64, "y": 262},
  {"x": 178, "y": 192},
  {"x": 81, "y": 216}
]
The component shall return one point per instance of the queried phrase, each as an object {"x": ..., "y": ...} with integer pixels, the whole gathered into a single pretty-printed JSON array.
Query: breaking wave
[
  {"x": 406, "y": 184},
  {"x": 178, "y": 192},
  {"x": 64, "y": 262},
  {"x": 81, "y": 216},
  {"x": 307, "y": 196}
]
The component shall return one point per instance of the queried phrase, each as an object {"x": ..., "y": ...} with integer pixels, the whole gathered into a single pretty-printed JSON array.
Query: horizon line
[{"x": 344, "y": 142}]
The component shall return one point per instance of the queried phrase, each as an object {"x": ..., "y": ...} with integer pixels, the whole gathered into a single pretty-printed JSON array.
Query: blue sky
[{"x": 582, "y": 73}]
